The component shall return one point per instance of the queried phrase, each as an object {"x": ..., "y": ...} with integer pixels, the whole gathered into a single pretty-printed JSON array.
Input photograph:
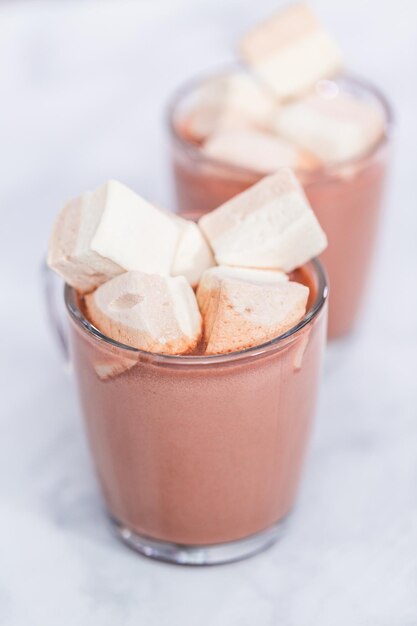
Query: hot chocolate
[
  {"x": 198, "y": 404},
  {"x": 201, "y": 450}
]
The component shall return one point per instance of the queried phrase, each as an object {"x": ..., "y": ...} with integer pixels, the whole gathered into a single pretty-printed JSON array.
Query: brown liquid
[
  {"x": 347, "y": 204},
  {"x": 198, "y": 454}
]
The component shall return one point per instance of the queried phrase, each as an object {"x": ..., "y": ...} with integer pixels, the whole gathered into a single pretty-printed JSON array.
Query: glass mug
[
  {"x": 198, "y": 457},
  {"x": 346, "y": 197}
]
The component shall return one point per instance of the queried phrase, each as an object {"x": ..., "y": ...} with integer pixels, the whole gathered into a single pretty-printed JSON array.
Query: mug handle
[{"x": 53, "y": 287}]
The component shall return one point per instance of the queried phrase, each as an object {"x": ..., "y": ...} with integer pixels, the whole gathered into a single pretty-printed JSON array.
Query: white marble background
[{"x": 82, "y": 88}]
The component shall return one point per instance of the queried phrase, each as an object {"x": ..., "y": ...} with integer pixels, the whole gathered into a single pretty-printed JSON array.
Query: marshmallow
[
  {"x": 300, "y": 348},
  {"x": 149, "y": 312},
  {"x": 193, "y": 254},
  {"x": 106, "y": 232},
  {"x": 239, "y": 274},
  {"x": 106, "y": 369},
  {"x": 270, "y": 225},
  {"x": 245, "y": 308},
  {"x": 134, "y": 233},
  {"x": 257, "y": 151},
  {"x": 291, "y": 51},
  {"x": 229, "y": 101},
  {"x": 334, "y": 126}
]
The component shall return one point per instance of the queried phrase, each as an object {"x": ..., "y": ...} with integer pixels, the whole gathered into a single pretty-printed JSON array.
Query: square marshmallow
[
  {"x": 149, "y": 312},
  {"x": 257, "y": 151},
  {"x": 242, "y": 308},
  {"x": 108, "y": 231},
  {"x": 332, "y": 125},
  {"x": 291, "y": 51},
  {"x": 270, "y": 225}
]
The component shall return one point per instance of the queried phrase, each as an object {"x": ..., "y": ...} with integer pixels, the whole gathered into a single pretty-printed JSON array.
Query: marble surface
[{"x": 82, "y": 92}]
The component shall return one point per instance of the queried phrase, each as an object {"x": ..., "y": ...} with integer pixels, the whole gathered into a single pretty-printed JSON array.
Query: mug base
[{"x": 214, "y": 554}]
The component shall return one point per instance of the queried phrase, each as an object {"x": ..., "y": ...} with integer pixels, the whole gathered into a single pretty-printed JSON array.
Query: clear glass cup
[
  {"x": 199, "y": 457},
  {"x": 347, "y": 197}
]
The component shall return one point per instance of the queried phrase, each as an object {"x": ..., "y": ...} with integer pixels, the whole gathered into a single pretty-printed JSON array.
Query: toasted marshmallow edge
[
  {"x": 258, "y": 151},
  {"x": 240, "y": 314},
  {"x": 193, "y": 255},
  {"x": 269, "y": 226},
  {"x": 148, "y": 312},
  {"x": 69, "y": 251},
  {"x": 335, "y": 128},
  {"x": 229, "y": 101},
  {"x": 291, "y": 51}
]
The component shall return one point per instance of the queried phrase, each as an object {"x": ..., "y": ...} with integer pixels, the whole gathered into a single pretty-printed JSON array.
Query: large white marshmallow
[
  {"x": 257, "y": 151},
  {"x": 149, "y": 312},
  {"x": 333, "y": 125},
  {"x": 270, "y": 225},
  {"x": 291, "y": 51},
  {"x": 103, "y": 233},
  {"x": 245, "y": 308},
  {"x": 193, "y": 255},
  {"x": 229, "y": 101},
  {"x": 134, "y": 233}
]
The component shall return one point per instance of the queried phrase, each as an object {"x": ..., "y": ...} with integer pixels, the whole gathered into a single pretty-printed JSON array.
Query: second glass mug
[
  {"x": 346, "y": 197},
  {"x": 199, "y": 458}
]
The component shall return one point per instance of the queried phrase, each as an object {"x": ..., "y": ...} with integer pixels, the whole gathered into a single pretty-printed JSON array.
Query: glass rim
[
  {"x": 195, "y": 152},
  {"x": 206, "y": 360}
]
